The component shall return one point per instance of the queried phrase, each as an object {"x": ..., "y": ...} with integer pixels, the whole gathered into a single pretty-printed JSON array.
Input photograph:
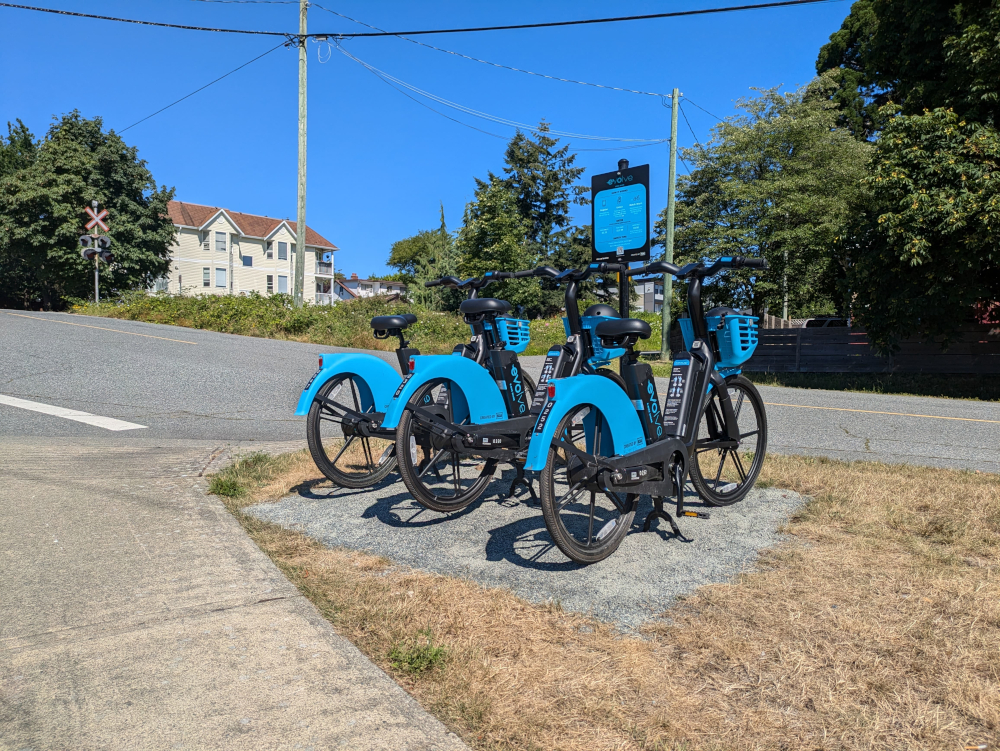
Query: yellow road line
[
  {"x": 102, "y": 328},
  {"x": 875, "y": 412}
]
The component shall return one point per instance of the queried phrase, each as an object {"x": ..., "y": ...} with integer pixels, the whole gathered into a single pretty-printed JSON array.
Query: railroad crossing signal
[
  {"x": 97, "y": 219},
  {"x": 96, "y": 247}
]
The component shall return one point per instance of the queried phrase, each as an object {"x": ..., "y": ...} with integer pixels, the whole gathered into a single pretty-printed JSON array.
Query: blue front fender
[
  {"x": 619, "y": 414},
  {"x": 473, "y": 394},
  {"x": 376, "y": 380}
]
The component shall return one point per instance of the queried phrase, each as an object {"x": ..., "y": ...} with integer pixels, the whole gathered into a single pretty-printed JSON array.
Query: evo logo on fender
[{"x": 402, "y": 385}]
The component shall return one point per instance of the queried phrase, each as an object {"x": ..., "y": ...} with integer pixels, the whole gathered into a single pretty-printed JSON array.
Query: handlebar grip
[
  {"x": 751, "y": 263},
  {"x": 523, "y": 274},
  {"x": 495, "y": 275},
  {"x": 433, "y": 283}
]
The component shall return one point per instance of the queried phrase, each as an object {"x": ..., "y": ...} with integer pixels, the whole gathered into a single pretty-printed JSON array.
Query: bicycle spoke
[
  {"x": 347, "y": 443},
  {"x": 721, "y": 462},
  {"x": 354, "y": 393},
  {"x": 619, "y": 503},
  {"x": 590, "y": 524},
  {"x": 455, "y": 474},
  {"x": 739, "y": 404},
  {"x": 739, "y": 467},
  {"x": 431, "y": 463},
  {"x": 368, "y": 452},
  {"x": 747, "y": 435},
  {"x": 571, "y": 495}
]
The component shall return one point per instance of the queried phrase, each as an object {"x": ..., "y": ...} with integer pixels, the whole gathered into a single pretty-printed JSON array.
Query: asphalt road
[{"x": 185, "y": 383}]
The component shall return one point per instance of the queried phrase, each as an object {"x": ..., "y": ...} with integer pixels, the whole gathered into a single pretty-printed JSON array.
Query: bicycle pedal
[{"x": 696, "y": 514}]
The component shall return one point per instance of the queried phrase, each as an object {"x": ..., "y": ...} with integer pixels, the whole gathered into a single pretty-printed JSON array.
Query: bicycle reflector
[
  {"x": 552, "y": 391},
  {"x": 321, "y": 362},
  {"x": 412, "y": 365}
]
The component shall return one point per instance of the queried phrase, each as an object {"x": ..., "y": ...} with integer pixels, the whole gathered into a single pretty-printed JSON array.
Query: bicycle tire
[
  {"x": 596, "y": 547},
  {"x": 710, "y": 490}
]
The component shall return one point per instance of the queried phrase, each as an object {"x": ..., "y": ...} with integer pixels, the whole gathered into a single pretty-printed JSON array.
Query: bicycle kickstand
[
  {"x": 659, "y": 512},
  {"x": 520, "y": 479}
]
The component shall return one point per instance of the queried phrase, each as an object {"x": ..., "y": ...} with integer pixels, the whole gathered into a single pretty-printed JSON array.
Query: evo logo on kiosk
[{"x": 620, "y": 214}]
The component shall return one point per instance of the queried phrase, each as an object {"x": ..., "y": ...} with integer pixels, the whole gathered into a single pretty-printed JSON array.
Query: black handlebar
[{"x": 700, "y": 270}]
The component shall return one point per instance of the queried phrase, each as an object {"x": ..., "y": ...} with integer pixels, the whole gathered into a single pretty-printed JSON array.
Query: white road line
[{"x": 108, "y": 423}]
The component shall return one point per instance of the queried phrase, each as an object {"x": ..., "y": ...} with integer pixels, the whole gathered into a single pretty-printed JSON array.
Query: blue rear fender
[
  {"x": 619, "y": 414},
  {"x": 376, "y": 380},
  {"x": 474, "y": 394}
]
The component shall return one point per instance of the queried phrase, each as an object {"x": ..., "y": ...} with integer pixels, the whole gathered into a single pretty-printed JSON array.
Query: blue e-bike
[
  {"x": 346, "y": 401},
  {"x": 447, "y": 457},
  {"x": 599, "y": 447}
]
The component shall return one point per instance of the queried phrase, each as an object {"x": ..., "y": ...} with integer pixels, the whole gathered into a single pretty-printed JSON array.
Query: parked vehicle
[
  {"x": 346, "y": 401},
  {"x": 823, "y": 322},
  {"x": 599, "y": 447},
  {"x": 469, "y": 444}
]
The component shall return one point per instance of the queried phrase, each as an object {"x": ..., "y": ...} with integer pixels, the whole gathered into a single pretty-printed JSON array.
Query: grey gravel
[{"x": 505, "y": 544}]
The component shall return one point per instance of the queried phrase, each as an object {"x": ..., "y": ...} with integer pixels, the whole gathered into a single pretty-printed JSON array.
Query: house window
[
  {"x": 282, "y": 285},
  {"x": 323, "y": 286},
  {"x": 206, "y": 277},
  {"x": 248, "y": 260},
  {"x": 220, "y": 277},
  {"x": 282, "y": 251},
  {"x": 162, "y": 284},
  {"x": 269, "y": 253},
  {"x": 220, "y": 242},
  {"x": 270, "y": 283}
]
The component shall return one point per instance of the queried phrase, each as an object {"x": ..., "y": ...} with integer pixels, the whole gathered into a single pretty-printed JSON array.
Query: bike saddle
[
  {"x": 617, "y": 330},
  {"x": 601, "y": 310},
  {"x": 384, "y": 323},
  {"x": 484, "y": 305}
]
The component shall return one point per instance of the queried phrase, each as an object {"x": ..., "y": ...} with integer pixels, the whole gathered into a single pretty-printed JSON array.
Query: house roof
[
  {"x": 346, "y": 289},
  {"x": 386, "y": 282},
  {"x": 250, "y": 225}
]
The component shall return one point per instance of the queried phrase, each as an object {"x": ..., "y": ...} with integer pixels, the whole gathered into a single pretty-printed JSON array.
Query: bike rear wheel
[
  {"x": 723, "y": 475},
  {"x": 586, "y": 523},
  {"x": 351, "y": 461}
]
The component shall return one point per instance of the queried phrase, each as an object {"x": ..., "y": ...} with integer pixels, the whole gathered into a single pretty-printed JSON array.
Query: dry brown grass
[{"x": 876, "y": 627}]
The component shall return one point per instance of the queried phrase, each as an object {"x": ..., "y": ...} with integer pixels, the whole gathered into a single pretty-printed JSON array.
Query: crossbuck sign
[{"x": 97, "y": 219}]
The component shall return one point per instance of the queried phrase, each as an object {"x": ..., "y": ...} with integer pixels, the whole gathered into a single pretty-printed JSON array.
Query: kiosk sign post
[{"x": 620, "y": 211}]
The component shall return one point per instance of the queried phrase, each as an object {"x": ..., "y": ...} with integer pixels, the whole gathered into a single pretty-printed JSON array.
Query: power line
[
  {"x": 144, "y": 23},
  {"x": 484, "y": 115},
  {"x": 697, "y": 142},
  {"x": 509, "y": 27},
  {"x": 552, "y": 24},
  {"x": 203, "y": 87},
  {"x": 720, "y": 119},
  {"x": 468, "y": 57}
]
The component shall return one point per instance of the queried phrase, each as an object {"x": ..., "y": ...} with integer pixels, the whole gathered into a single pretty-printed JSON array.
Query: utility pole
[
  {"x": 668, "y": 279},
  {"x": 300, "y": 222}
]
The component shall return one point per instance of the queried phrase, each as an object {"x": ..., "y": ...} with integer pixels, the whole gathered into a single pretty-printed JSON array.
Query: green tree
[
  {"x": 492, "y": 238},
  {"x": 936, "y": 185},
  {"x": 42, "y": 216},
  {"x": 429, "y": 254},
  {"x": 920, "y": 54},
  {"x": 776, "y": 183},
  {"x": 543, "y": 180},
  {"x": 18, "y": 150}
]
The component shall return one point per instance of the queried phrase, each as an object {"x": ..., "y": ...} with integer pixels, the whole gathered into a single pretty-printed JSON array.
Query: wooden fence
[{"x": 847, "y": 350}]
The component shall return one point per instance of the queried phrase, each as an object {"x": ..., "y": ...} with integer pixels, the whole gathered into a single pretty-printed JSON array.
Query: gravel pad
[{"x": 505, "y": 544}]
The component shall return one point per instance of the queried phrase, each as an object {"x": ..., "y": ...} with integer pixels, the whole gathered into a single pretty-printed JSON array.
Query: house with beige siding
[{"x": 222, "y": 252}]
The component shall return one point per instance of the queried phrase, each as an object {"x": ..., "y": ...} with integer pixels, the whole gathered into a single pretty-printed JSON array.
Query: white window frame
[
  {"x": 222, "y": 271},
  {"x": 206, "y": 277},
  {"x": 282, "y": 248},
  {"x": 224, "y": 236},
  {"x": 280, "y": 280}
]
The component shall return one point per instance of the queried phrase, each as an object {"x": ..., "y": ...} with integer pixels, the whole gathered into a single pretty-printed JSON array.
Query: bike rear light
[
  {"x": 552, "y": 391},
  {"x": 412, "y": 365},
  {"x": 321, "y": 362}
]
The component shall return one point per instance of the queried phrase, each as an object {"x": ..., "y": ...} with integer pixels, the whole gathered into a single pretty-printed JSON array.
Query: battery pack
[
  {"x": 507, "y": 374},
  {"x": 550, "y": 369},
  {"x": 680, "y": 391},
  {"x": 640, "y": 383}
]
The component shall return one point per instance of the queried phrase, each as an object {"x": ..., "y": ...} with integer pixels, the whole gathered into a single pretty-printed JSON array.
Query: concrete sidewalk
[{"x": 135, "y": 613}]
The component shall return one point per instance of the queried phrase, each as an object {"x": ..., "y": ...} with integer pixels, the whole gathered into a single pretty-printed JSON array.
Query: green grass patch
[
  {"x": 419, "y": 655},
  {"x": 241, "y": 482}
]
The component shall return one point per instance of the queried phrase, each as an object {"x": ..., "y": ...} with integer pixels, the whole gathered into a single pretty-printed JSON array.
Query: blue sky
[{"x": 379, "y": 163}]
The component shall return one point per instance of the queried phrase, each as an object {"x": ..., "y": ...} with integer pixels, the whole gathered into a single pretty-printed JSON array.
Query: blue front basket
[
  {"x": 736, "y": 340},
  {"x": 602, "y": 355},
  {"x": 516, "y": 332}
]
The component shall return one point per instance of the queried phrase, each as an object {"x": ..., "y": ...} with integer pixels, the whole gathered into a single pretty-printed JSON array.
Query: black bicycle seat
[
  {"x": 484, "y": 305},
  {"x": 619, "y": 329},
  {"x": 384, "y": 323}
]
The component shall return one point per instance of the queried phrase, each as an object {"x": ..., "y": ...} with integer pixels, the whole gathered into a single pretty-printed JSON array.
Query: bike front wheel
[
  {"x": 722, "y": 474},
  {"x": 586, "y": 523},
  {"x": 439, "y": 478}
]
